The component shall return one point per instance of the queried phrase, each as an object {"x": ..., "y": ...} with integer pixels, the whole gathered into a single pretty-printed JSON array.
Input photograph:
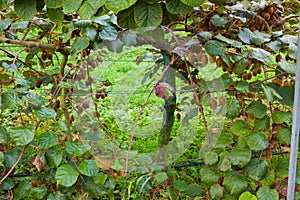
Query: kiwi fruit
[
  {"x": 270, "y": 10},
  {"x": 222, "y": 100},
  {"x": 249, "y": 76},
  {"x": 44, "y": 55},
  {"x": 278, "y": 58},
  {"x": 286, "y": 83},
  {"x": 241, "y": 102},
  {"x": 191, "y": 57},
  {"x": 85, "y": 104},
  {"x": 213, "y": 104},
  {"x": 267, "y": 16},
  {"x": 245, "y": 76},
  {"x": 204, "y": 59},
  {"x": 72, "y": 119},
  {"x": 220, "y": 62},
  {"x": 277, "y": 81},
  {"x": 212, "y": 59}
]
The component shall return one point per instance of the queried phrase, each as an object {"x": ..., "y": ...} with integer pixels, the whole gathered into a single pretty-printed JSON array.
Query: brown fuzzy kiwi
[
  {"x": 213, "y": 104},
  {"x": 44, "y": 55},
  {"x": 38, "y": 83},
  {"x": 220, "y": 62},
  {"x": 254, "y": 71},
  {"x": 286, "y": 83},
  {"x": 98, "y": 94},
  {"x": 212, "y": 59},
  {"x": 278, "y": 58},
  {"x": 178, "y": 116},
  {"x": 94, "y": 64},
  {"x": 288, "y": 58},
  {"x": 50, "y": 55},
  {"x": 251, "y": 94},
  {"x": 249, "y": 64},
  {"x": 204, "y": 59},
  {"x": 259, "y": 70},
  {"x": 241, "y": 102},
  {"x": 85, "y": 104},
  {"x": 222, "y": 100},
  {"x": 267, "y": 16},
  {"x": 191, "y": 57},
  {"x": 270, "y": 10},
  {"x": 245, "y": 76},
  {"x": 72, "y": 119},
  {"x": 249, "y": 76},
  {"x": 277, "y": 81},
  {"x": 259, "y": 21}
]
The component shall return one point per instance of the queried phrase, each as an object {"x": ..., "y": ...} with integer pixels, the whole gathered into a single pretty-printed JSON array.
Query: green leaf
[
  {"x": 262, "y": 124},
  {"x": 275, "y": 46},
  {"x": 209, "y": 175},
  {"x": 259, "y": 38},
  {"x": 22, "y": 135},
  {"x": 235, "y": 183},
  {"x": 282, "y": 117},
  {"x": 90, "y": 32},
  {"x": 219, "y": 21},
  {"x": 126, "y": 18},
  {"x": 270, "y": 93},
  {"x": 266, "y": 193},
  {"x": 240, "y": 66},
  {"x": 224, "y": 140},
  {"x": 22, "y": 191},
  {"x": 11, "y": 157},
  {"x": 80, "y": 44},
  {"x": 269, "y": 179},
  {"x": 55, "y": 14},
  {"x": 9, "y": 99},
  {"x": 260, "y": 54},
  {"x": 26, "y": 9},
  {"x": 232, "y": 108},
  {"x": 54, "y": 3},
  {"x": 177, "y": 7},
  {"x": 193, "y": 3},
  {"x": 289, "y": 39},
  {"x": 86, "y": 10},
  {"x": 77, "y": 149},
  {"x": 45, "y": 113},
  {"x": 38, "y": 192},
  {"x": 71, "y": 6},
  {"x": 280, "y": 167},
  {"x": 108, "y": 33},
  {"x": 181, "y": 185},
  {"x": 116, "y": 6},
  {"x": 247, "y": 196},
  {"x": 148, "y": 15},
  {"x": 161, "y": 177},
  {"x": 257, "y": 169},
  {"x": 284, "y": 135},
  {"x": 7, "y": 184},
  {"x": 97, "y": 3},
  {"x": 257, "y": 141},
  {"x": 215, "y": 48},
  {"x": 88, "y": 168},
  {"x": 216, "y": 191},
  {"x": 256, "y": 109},
  {"x": 288, "y": 67},
  {"x": 4, "y": 24},
  {"x": 240, "y": 157},
  {"x": 240, "y": 127},
  {"x": 245, "y": 35},
  {"x": 66, "y": 175},
  {"x": 233, "y": 43},
  {"x": 193, "y": 190},
  {"x": 54, "y": 156},
  {"x": 100, "y": 178},
  {"x": 47, "y": 140},
  {"x": 211, "y": 158},
  {"x": 224, "y": 163}
]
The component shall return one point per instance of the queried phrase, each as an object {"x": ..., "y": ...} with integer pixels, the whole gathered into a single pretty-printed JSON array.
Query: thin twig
[
  {"x": 14, "y": 166},
  {"x": 200, "y": 106}
]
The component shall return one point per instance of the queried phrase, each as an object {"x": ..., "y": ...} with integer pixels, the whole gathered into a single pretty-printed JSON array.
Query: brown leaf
[{"x": 38, "y": 163}]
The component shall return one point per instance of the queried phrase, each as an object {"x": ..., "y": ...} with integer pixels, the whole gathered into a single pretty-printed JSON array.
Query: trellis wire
[{"x": 295, "y": 129}]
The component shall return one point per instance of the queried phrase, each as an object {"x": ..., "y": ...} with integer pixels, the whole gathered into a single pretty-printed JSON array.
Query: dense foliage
[{"x": 51, "y": 49}]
